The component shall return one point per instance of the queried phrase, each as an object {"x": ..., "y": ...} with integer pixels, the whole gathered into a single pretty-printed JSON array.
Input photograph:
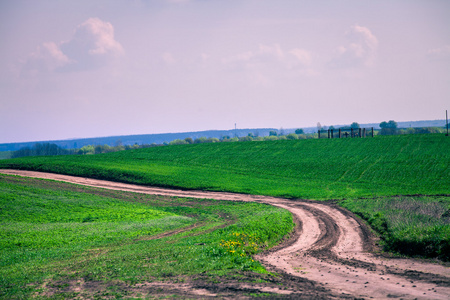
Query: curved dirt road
[{"x": 330, "y": 247}]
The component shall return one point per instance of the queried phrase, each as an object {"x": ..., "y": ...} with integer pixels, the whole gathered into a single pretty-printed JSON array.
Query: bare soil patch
[{"x": 329, "y": 255}]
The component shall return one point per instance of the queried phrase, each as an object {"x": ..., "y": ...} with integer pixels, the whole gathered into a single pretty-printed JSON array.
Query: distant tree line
[
  {"x": 44, "y": 149},
  {"x": 391, "y": 128}
]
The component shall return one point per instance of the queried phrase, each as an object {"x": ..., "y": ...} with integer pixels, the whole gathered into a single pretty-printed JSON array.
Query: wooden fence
[{"x": 346, "y": 133}]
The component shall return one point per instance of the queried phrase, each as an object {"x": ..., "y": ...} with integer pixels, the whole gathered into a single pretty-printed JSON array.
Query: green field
[
  {"x": 414, "y": 225},
  {"x": 366, "y": 175},
  {"x": 55, "y": 235},
  {"x": 312, "y": 169}
]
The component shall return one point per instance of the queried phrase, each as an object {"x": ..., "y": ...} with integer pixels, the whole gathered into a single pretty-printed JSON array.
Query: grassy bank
[
  {"x": 313, "y": 169},
  {"x": 55, "y": 236},
  {"x": 418, "y": 225}
]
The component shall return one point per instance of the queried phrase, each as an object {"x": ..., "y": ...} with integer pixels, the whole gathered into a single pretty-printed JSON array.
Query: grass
[
  {"x": 54, "y": 236},
  {"x": 418, "y": 225},
  {"x": 312, "y": 169},
  {"x": 377, "y": 168}
]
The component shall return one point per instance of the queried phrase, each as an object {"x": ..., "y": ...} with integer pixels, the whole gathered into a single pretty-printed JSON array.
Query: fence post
[
  {"x": 318, "y": 131},
  {"x": 372, "y": 131},
  {"x": 339, "y": 133},
  {"x": 351, "y": 132}
]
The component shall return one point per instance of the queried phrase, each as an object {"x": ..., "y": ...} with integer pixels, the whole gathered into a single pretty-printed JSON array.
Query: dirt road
[{"x": 330, "y": 247}]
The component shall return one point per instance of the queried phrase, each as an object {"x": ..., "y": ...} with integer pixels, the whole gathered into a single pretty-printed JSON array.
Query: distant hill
[
  {"x": 140, "y": 139},
  {"x": 167, "y": 137}
]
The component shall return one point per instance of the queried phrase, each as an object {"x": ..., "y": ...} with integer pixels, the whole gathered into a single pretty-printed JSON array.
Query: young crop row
[{"x": 314, "y": 169}]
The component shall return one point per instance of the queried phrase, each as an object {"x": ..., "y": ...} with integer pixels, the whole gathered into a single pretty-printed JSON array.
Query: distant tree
[
  {"x": 212, "y": 140},
  {"x": 200, "y": 140},
  {"x": 388, "y": 128},
  {"x": 234, "y": 139},
  {"x": 178, "y": 142},
  {"x": 273, "y": 133},
  {"x": 98, "y": 149},
  {"x": 292, "y": 136},
  {"x": 88, "y": 149},
  {"x": 299, "y": 131},
  {"x": 331, "y": 128},
  {"x": 250, "y": 134},
  {"x": 354, "y": 125},
  {"x": 246, "y": 139},
  {"x": 189, "y": 140},
  {"x": 271, "y": 138},
  {"x": 40, "y": 150}
]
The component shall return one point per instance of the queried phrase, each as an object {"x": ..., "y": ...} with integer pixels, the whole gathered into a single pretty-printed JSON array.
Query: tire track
[{"x": 330, "y": 247}]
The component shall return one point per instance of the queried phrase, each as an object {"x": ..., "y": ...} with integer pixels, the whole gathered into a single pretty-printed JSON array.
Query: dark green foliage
[
  {"x": 388, "y": 128},
  {"x": 45, "y": 149}
]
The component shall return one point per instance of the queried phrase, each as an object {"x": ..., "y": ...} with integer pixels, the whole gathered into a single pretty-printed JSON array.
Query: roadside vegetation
[
  {"x": 414, "y": 225},
  {"x": 56, "y": 236}
]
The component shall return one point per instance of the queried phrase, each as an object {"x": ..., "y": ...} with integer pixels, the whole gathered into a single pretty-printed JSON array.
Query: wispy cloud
[
  {"x": 269, "y": 56},
  {"x": 360, "y": 51},
  {"x": 46, "y": 58}
]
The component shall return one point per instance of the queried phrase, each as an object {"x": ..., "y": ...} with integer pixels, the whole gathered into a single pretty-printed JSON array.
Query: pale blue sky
[{"x": 96, "y": 68}]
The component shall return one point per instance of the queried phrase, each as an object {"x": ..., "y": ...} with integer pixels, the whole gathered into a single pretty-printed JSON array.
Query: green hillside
[{"x": 313, "y": 169}]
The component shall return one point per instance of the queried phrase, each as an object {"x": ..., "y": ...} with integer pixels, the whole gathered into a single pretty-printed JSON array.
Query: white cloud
[
  {"x": 442, "y": 53},
  {"x": 47, "y": 57},
  {"x": 91, "y": 46},
  {"x": 361, "y": 50}
]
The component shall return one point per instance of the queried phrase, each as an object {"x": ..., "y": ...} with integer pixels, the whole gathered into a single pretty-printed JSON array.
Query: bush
[
  {"x": 245, "y": 139},
  {"x": 292, "y": 136},
  {"x": 178, "y": 142},
  {"x": 271, "y": 138}
]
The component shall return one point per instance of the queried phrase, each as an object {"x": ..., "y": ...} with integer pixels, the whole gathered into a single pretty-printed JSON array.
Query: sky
[{"x": 92, "y": 68}]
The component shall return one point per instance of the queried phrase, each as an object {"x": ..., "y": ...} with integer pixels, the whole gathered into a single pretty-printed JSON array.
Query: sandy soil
[{"x": 330, "y": 247}]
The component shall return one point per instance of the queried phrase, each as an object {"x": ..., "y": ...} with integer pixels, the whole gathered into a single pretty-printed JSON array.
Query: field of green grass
[
  {"x": 312, "y": 169},
  {"x": 415, "y": 225},
  {"x": 345, "y": 169},
  {"x": 55, "y": 235}
]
